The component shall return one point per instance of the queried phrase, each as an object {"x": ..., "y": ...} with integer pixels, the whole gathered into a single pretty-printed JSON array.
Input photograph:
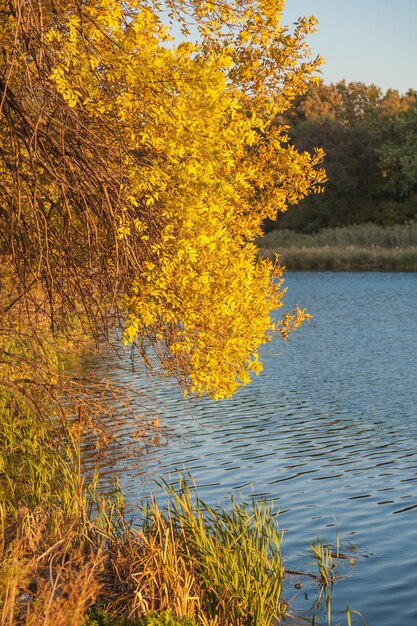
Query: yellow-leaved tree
[{"x": 136, "y": 171}]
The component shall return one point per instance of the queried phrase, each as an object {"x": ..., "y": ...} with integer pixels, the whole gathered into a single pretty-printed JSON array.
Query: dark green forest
[{"x": 370, "y": 140}]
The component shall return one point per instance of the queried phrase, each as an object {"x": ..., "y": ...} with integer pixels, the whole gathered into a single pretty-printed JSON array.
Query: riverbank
[{"x": 364, "y": 247}]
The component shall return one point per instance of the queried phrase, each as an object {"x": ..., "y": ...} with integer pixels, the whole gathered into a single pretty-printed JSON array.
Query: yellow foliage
[{"x": 195, "y": 158}]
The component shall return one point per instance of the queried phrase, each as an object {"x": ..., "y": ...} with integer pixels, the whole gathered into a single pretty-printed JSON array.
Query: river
[{"x": 328, "y": 431}]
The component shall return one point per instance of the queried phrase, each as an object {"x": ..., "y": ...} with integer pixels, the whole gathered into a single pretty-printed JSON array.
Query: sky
[{"x": 370, "y": 41}]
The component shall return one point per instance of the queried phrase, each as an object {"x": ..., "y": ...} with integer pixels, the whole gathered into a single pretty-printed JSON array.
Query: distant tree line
[{"x": 370, "y": 140}]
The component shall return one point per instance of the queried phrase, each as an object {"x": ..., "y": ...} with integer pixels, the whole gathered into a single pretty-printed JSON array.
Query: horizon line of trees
[{"x": 370, "y": 141}]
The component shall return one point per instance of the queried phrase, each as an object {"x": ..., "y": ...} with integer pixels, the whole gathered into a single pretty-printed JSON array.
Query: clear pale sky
[{"x": 371, "y": 41}]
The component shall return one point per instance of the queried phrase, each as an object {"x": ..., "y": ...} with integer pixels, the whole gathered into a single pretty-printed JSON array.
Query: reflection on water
[{"x": 329, "y": 431}]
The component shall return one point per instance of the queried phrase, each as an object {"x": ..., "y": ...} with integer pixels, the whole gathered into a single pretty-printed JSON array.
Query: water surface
[{"x": 328, "y": 431}]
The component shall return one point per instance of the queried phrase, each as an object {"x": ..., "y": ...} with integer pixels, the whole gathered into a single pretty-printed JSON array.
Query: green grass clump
[
  {"x": 323, "y": 557},
  {"x": 237, "y": 556}
]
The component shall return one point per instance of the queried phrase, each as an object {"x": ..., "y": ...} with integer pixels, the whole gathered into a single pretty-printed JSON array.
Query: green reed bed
[{"x": 364, "y": 247}]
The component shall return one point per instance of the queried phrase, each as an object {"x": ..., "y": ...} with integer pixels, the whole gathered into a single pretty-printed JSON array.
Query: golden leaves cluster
[{"x": 201, "y": 163}]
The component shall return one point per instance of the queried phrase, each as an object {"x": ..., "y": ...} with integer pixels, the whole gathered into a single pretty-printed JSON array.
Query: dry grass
[{"x": 47, "y": 575}]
